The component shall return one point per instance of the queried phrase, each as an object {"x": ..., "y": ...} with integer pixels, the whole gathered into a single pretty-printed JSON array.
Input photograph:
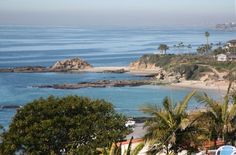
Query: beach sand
[
  {"x": 210, "y": 85},
  {"x": 104, "y": 69},
  {"x": 138, "y": 131},
  {"x": 220, "y": 85},
  {"x": 145, "y": 72}
]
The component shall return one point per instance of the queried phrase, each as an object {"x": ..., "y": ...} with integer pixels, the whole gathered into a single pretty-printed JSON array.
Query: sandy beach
[
  {"x": 104, "y": 69},
  {"x": 216, "y": 85},
  {"x": 144, "y": 72}
]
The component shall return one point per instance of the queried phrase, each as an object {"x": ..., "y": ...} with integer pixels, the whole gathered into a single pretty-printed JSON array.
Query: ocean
[{"x": 43, "y": 46}]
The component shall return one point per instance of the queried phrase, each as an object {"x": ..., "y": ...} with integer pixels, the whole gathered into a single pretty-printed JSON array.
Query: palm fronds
[{"x": 170, "y": 124}]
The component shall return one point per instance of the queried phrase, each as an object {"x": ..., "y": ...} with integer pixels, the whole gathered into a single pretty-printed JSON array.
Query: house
[
  {"x": 231, "y": 46},
  {"x": 221, "y": 57},
  {"x": 231, "y": 43},
  {"x": 226, "y": 57},
  {"x": 232, "y": 57}
]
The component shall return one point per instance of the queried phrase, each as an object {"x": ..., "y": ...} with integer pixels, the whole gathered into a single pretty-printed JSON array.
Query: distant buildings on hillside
[
  {"x": 226, "y": 26},
  {"x": 231, "y": 44},
  {"x": 228, "y": 56}
]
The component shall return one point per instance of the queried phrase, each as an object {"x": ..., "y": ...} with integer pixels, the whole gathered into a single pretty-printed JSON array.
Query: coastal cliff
[
  {"x": 141, "y": 65},
  {"x": 177, "y": 68},
  {"x": 155, "y": 63}
]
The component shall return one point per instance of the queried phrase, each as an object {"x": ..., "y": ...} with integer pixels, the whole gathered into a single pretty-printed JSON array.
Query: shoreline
[
  {"x": 220, "y": 85},
  {"x": 197, "y": 84},
  {"x": 103, "y": 69}
]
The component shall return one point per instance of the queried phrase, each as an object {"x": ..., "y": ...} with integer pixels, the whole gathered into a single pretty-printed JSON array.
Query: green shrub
[{"x": 191, "y": 71}]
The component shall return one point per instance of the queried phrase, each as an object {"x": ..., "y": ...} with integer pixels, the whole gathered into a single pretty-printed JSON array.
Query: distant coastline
[{"x": 154, "y": 75}]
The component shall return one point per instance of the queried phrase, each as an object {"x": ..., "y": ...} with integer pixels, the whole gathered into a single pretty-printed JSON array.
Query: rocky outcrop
[
  {"x": 27, "y": 69},
  {"x": 11, "y": 106},
  {"x": 75, "y": 64},
  {"x": 101, "y": 84},
  {"x": 160, "y": 74},
  {"x": 169, "y": 77},
  {"x": 71, "y": 64},
  {"x": 115, "y": 71}
]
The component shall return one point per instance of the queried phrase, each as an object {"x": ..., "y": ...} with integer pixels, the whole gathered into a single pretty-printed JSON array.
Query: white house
[{"x": 221, "y": 57}]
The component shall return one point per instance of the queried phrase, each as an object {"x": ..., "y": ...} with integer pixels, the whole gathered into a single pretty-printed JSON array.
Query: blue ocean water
[{"x": 30, "y": 46}]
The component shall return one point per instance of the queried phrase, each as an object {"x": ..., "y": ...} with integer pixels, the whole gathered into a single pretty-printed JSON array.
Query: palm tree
[
  {"x": 207, "y": 34},
  {"x": 163, "y": 47},
  {"x": 222, "y": 116},
  {"x": 171, "y": 128},
  {"x": 189, "y": 47}
]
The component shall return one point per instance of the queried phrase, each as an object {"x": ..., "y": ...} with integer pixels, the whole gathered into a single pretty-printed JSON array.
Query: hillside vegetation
[{"x": 191, "y": 66}]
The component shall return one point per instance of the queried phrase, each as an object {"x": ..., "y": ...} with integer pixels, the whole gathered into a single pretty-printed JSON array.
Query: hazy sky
[{"x": 117, "y": 12}]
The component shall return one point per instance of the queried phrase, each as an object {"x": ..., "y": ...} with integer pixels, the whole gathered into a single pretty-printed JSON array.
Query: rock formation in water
[
  {"x": 25, "y": 69},
  {"x": 60, "y": 66},
  {"x": 101, "y": 84},
  {"x": 71, "y": 64}
]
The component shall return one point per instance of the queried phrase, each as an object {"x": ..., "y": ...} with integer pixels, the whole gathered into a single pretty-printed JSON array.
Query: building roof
[
  {"x": 232, "y": 56},
  {"x": 221, "y": 55},
  {"x": 210, "y": 144},
  {"x": 232, "y": 41}
]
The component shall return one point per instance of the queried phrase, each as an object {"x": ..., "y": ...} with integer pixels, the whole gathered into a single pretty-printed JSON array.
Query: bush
[
  {"x": 219, "y": 50},
  {"x": 190, "y": 65},
  {"x": 158, "y": 60},
  {"x": 191, "y": 71},
  {"x": 71, "y": 124}
]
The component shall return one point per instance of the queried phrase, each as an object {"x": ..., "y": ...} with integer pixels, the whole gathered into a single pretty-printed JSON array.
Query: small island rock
[{"x": 71, "y": 64}]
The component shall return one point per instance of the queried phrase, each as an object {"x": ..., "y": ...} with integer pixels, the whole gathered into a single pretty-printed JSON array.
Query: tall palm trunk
[
  {"x": 207, "y": 44},
  {"x": 207, "y": 34}
]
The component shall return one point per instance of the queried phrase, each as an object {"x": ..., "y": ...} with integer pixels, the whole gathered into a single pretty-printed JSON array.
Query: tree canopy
[
  {"x": 163, "y": 47},
  {"x": 207, "y": 34},
  {"x": 204, "y": 49},
  {"x": 70, "y": 124}
]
